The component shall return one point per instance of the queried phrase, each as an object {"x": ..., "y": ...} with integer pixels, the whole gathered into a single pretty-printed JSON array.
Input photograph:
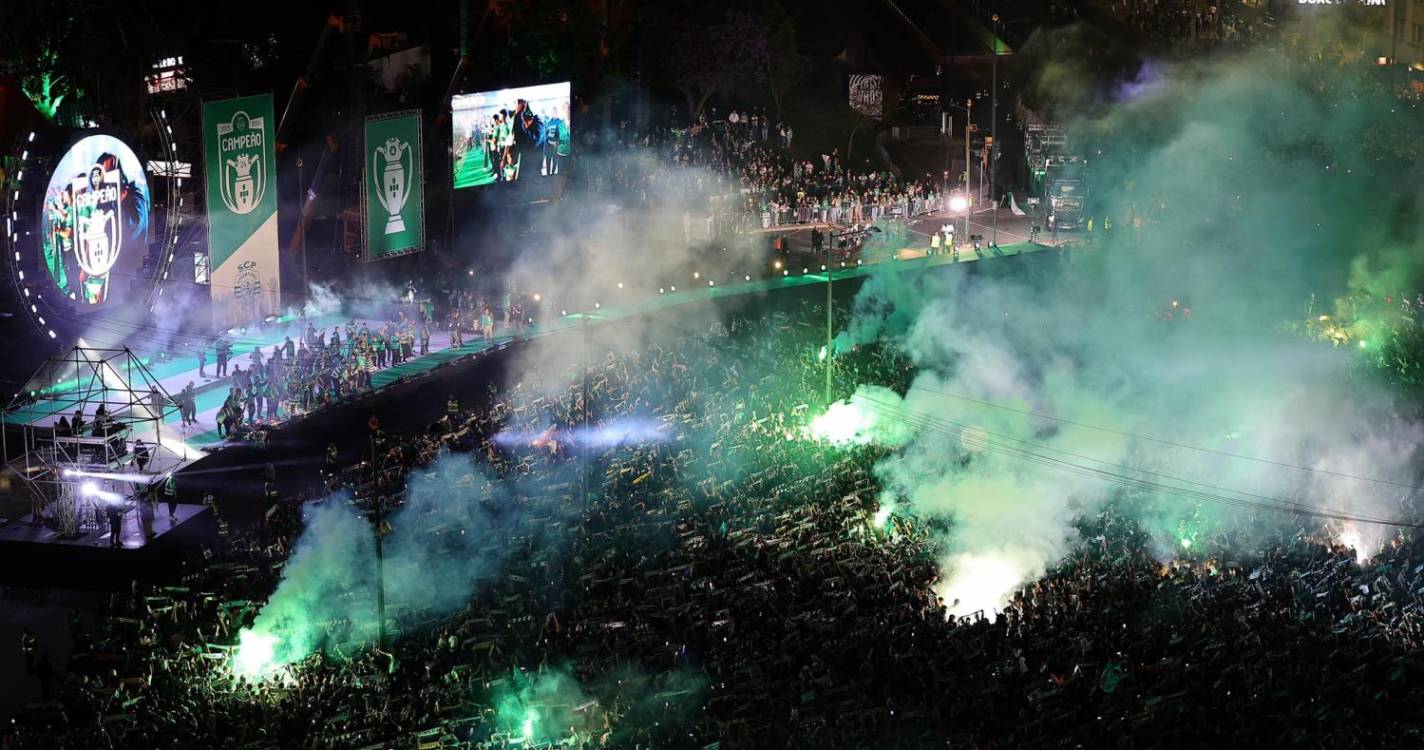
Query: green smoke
[
  {"x": 871, "y": 416},
  {"x": 453, "y": 528},
  {"x": 547, "y": 706},
  {"x": 1241, "y": 186},
  {"x": 327, "y": 594}
]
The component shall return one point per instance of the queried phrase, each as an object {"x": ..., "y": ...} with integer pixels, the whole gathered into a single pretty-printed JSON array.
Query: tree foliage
[
  {"x": 710, "y": 54},
  {"x": 51, "y": 48},
  {"x": 784, "y": 65}
]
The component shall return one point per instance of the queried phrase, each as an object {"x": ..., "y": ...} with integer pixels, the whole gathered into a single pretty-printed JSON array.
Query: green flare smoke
[
  {"x": 541, "y": 707},
  {"x": 871, "y": 416},
  {"x": 1243, "y": 186},
  {"x": 453, "y": 529}
]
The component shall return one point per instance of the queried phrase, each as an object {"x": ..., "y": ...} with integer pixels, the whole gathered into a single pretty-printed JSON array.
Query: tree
[
  {"x": 49, "y": 49},
  {"x": 703, "y": 61},
  {"x": 855, "y": 122},
  {"x": 783, "y": 64}
]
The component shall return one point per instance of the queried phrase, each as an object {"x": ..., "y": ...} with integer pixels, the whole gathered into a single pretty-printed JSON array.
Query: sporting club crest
[
  {"x": 97, "y": 222},
  {"x": 242, "y": 158},
  {"x": 247, "y": 289}
]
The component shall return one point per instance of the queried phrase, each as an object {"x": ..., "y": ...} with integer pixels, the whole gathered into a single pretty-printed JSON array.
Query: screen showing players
[{"x": 510, "y": 135}]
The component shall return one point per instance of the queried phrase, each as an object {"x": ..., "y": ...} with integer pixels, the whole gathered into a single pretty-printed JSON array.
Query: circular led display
[{"x": 94, "y": 222}]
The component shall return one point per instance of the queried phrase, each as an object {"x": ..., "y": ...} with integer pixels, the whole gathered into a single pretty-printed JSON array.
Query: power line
[
  {"x": 1163, "y": 441},
  {"x": 1122, "y": 475}
]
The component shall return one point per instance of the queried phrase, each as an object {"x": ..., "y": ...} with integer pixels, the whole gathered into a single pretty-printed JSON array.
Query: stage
[
  {"x": 37, "y": 555},
  {"x": 187, "y": 443},
  {"x": 36, "y": 551}
]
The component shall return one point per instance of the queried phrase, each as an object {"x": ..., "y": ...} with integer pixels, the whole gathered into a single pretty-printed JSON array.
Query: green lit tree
[{"x": 49, "y": 46}]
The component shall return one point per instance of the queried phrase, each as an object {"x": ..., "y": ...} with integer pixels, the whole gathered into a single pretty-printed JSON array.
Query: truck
[
  {"x": 1065, "y": 191},
  {"x": 1058, "y": 178}
]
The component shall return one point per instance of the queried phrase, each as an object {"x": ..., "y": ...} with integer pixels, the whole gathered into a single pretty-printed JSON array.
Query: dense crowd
[
  {"x": 731, "y": 581},
  {"x": 328, "y": 365},
  {"x": 317, "y": 369},
  {"x": 755, "y": 180},
  {"x": 1191, "y": 25}
]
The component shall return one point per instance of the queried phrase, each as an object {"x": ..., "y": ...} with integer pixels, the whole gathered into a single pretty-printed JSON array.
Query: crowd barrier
[{"x": 845, "y": 215}]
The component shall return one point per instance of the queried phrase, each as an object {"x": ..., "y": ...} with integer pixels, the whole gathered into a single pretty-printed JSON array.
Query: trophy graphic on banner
[
  {"x": 393, "y": 186},
  {"x": 244, "y": 190}
]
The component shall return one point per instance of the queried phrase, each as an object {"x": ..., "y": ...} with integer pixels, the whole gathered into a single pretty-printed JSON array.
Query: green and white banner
[
  {"x": 240, "y": 167},
  {"x": 394, "y": 186}
]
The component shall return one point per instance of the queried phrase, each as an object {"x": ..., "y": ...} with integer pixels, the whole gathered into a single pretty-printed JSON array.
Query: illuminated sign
[
  {"x": 169, "y": 76},
  {"x": 867, "y": 95}
]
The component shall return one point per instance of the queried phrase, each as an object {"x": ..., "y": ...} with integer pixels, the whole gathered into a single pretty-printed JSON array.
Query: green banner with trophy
[
  {"x": 394, "y": 185},
  {"x": 240, "y": 177}
]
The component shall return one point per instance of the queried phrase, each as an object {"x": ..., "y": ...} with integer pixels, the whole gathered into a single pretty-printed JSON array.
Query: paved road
[{"x": 1012, "y": 230}]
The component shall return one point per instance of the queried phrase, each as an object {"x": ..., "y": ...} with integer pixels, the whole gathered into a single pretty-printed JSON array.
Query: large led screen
[
  {"x": 510, "y": 135},
  {"x": 95, "y": 221}
]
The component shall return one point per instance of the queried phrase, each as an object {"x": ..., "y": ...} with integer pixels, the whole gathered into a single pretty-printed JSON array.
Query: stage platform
[
  {"x": 35, "y": 554},
  {"x": 31, "y": 553},
  {"x": 191, "y": 442}
]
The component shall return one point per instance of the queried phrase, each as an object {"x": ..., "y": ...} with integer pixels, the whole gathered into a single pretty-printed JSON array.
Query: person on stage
[
  {"x": 115, "y": 515},
  {"x": 101, "y": 420},
  {"x": 170, "y": 495},
  {"x": 249, "y": 400},
  {"x": 142, "y": 455},
  {"x": 224, "y": 350},
  {"x": 146, "y": 514},
  {"x": 457, "y": 338},
  {"x": 187, "y": 401}
]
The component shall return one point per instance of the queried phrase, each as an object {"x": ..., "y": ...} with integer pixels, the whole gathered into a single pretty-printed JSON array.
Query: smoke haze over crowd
[{"x": 1256, "y": 185}]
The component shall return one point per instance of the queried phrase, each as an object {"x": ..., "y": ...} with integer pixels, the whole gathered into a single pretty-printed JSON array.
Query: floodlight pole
[
  {"x": 380, "y": 556},
  {"x": 830, "y": 302},
  {"x": 302, "y": 231},
  {"x": 583, "y": 446}
]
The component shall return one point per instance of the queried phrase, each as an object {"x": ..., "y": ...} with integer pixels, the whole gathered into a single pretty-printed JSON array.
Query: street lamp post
[
  {"x": 380, "y": 556},
  {"x": 302, "y": 226},
  {"x": 968, "y": 110},
  {"x": 968, "y": 130},
  {"x": 994, "y": 131}
]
